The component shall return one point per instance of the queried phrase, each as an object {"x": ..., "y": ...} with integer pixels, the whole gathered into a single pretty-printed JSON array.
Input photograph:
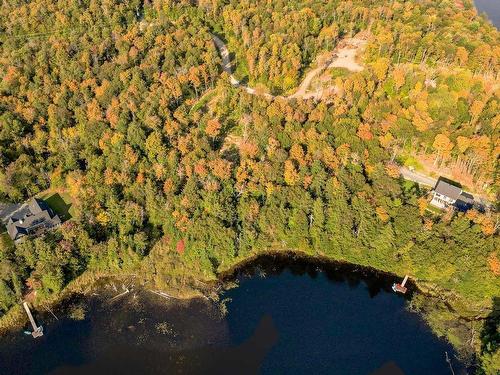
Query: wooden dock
[{"x": 37, "y": 330}]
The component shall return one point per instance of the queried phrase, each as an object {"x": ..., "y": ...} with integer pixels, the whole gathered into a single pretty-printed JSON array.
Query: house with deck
[
  {"x": 446, "y": 195},
  {"x": 34, "y": 218}
]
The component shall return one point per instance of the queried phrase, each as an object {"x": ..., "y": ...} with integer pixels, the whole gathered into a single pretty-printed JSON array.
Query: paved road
[
  {"x": 417, "y": 177},
  {"x": 7, "y": 210}
]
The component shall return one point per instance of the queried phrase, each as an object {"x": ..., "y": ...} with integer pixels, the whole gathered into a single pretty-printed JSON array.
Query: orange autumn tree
[
  {"x": 181, "y": 246},
  {"x": 290, "y": 175},
  {"x": 399, "y": 75},
  {"x": 422, "y": 205},
  {"x": 213, "y": 128},
  {"x": 443, "y": 146},
  {"x": 392, "y": 170},
  {"x": 382, "y": 214},
  {"x": 494, "y": 264},
  {"x": 364, "y": 132}
]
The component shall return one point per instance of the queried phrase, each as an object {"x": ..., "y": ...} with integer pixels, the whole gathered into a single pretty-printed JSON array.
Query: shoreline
[
  {"x": 488, "y": 10},
  {"x": 416, "y": 286},
  {"x": 430, "y": 296},
  {"x": 322, "y": 261}
]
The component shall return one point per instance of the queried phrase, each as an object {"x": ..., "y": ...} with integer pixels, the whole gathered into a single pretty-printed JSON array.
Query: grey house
[
  {"x": 446, "y": 195},
  {"x": 32, "y": 219}
]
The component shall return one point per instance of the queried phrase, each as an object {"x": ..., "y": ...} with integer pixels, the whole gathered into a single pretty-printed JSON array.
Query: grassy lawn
[
  {"x": 60, "y": 202},
  {"x": 434, "y": 210},
  {"x": 338, "y": 72},
  {"x": 409, "y": 161}
]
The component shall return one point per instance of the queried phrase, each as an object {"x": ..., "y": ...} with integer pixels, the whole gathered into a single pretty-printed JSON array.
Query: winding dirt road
[
  {"x": 227, "y": 66},
  {"x": 344, "y": 56}
]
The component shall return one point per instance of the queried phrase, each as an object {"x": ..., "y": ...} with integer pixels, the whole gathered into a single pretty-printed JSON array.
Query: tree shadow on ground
[
  {"x": 59, "y": 205},
  {"x": 451, "y": 182}
]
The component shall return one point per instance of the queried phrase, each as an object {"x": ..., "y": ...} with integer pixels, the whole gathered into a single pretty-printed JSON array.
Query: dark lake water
[
  {"x": 297, "y": 319},
  {"x": 491, "y": 8}
]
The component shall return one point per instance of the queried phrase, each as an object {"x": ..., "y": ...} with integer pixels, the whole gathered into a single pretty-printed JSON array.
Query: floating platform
[{"x": 400, "y": 288}]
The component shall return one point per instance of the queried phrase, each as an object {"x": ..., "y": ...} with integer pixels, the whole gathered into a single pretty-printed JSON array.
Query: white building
[{"x": 446, "y": 195}]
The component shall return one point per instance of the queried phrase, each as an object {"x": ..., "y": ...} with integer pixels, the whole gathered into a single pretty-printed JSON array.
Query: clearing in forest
[{"x": 345, "y": 56}]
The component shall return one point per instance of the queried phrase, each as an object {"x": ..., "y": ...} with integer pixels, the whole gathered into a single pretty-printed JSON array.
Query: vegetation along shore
[{"x": 170, "y": 172}]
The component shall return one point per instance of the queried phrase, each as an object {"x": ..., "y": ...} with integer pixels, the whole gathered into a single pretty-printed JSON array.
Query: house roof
[
  {"x": 466, "y": 198},
  {"x": 14, "y": 231},
  {"x": 446, "y": 189},
  {"x": 19, "y": 214},
  {"x": 37, "y": 215},
  {"x": 36, "y": 206}
]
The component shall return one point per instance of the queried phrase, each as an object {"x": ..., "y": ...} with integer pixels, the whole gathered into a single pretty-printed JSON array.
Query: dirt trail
[
  {"x": 343, "y": 56},
  {"x": 227, "y": 66}
]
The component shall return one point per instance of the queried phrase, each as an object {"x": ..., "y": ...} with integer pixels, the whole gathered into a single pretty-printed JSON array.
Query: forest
[{"x": 178, "y": 175}]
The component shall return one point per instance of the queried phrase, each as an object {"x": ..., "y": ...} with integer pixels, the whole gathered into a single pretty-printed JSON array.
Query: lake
[
  {"x": 285, "y": 317},
  {"x": 491, "y": 8}
]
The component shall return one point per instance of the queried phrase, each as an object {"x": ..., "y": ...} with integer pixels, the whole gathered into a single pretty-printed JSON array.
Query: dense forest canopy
[{"x": 174, "y": 171}]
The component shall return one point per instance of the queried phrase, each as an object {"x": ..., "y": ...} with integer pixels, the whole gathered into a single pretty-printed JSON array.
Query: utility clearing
[{"x": 345, "y": 55}]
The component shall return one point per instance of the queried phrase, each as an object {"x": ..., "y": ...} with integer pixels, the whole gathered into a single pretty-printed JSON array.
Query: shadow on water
[
  {"x": 333, "y": 318},
  {"x": 336, "y": 272},
  {"x": 289, "y": 315},
  {"x": 243, "y": 359}
]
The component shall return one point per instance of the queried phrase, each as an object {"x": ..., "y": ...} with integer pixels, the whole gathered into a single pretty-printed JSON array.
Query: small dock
[
  {"x": 37, "y": 330},
  {"x": 400, "y": 288}
]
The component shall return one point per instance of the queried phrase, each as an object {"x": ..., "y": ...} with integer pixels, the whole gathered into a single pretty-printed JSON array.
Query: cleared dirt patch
[{"x": 345, "y": 56}]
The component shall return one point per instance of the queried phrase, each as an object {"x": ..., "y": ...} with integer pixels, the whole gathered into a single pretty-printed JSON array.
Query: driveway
[
  {"x": 421, "y": 179},
  {"x": 417, "y": 177},
  {"x": 8, "y": 209}
]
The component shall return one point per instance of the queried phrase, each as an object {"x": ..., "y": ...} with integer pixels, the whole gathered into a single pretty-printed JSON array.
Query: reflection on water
[
  {"x": 334, "y": 319},
  {"x": 126, "y": 359},
  {"x": 135, "y": 332},
  {"x": 285, "y": 317}
]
